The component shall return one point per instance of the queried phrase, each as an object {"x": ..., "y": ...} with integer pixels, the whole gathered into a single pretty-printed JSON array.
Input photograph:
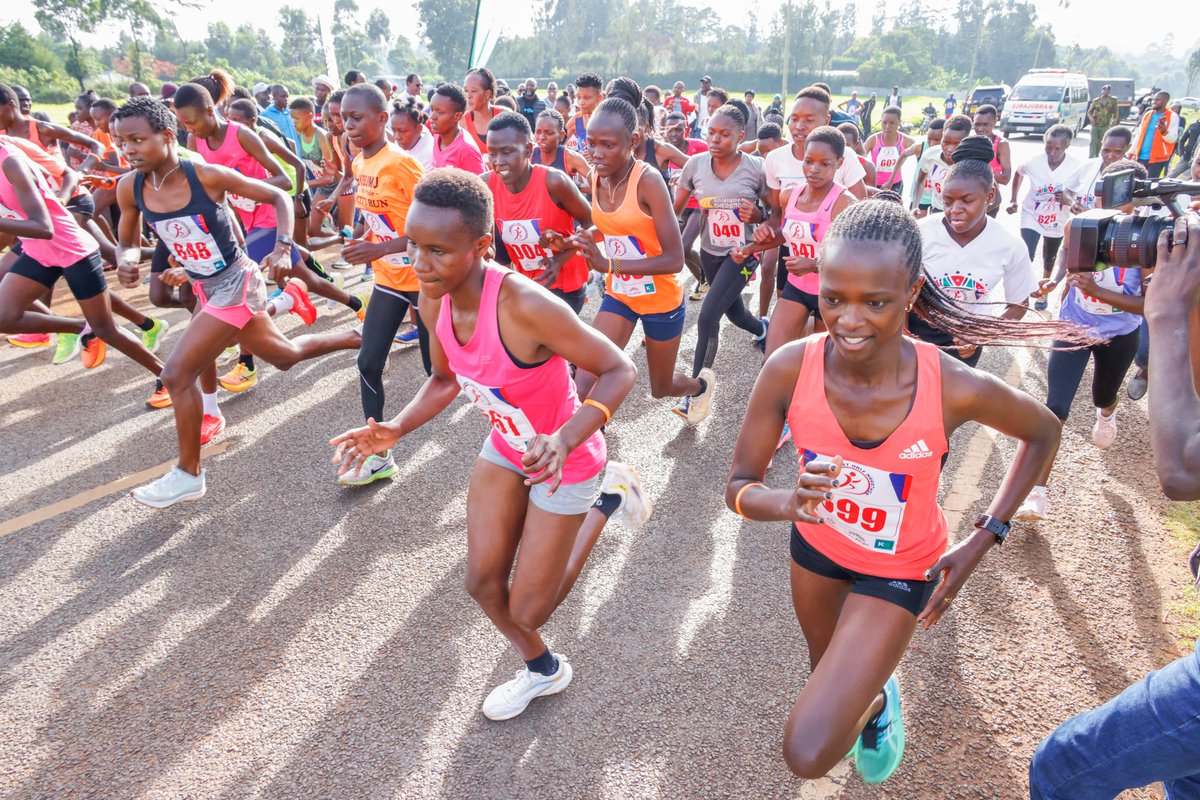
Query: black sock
[
  {"x": 703, "y": 387},
  {"x": 85, "y": 338},
  {"x": 607, "y": 503},
  {"x": 354, "y": 303},
  {"x": 158, "y": 387},
  {"x": 545, "y": 664},
  {"x": 247, "y": 359},
  {"x": 147, "y": 325}
]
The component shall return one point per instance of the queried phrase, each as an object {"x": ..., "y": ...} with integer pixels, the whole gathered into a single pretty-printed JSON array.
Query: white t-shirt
[
  {"x": 423, "y": 151},
  {"x": 1040, "y": 211},
  {"x": 993, "y": 268},
  {"x": 1085, "y": 183},
  {"x": 784, "y": 170},
  {"x": 935, "y": 173}
]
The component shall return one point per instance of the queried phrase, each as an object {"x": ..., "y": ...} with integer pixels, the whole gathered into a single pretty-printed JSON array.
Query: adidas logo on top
[{"x": 918, "y": 450}]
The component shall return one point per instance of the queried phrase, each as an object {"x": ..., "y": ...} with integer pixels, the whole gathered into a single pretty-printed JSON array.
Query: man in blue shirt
[
  {"x": 951, "y": 104},
  {"x": 278, "y": 113}
]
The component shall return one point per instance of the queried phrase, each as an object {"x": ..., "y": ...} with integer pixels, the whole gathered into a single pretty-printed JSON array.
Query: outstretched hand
[{"x": 354, "y": 446}]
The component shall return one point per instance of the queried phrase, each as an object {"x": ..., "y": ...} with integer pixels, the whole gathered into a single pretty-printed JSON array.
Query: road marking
[{"x": 83, "y": 498}]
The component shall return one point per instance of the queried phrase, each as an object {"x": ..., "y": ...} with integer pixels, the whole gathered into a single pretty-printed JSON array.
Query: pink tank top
[
  {"x": 997, "y": 167},
  {"x": 885, "y": 159},
  {"x": 231, "y": 154},
  {"x": 70, "y": 243},
  {"x": 884, "y": 519},
  {"x": 804, "y": 232},
  {"x": 519, "y": 400}
]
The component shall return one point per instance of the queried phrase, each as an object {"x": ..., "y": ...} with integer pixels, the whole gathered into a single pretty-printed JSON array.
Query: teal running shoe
[{"x": 881, "y": 745}]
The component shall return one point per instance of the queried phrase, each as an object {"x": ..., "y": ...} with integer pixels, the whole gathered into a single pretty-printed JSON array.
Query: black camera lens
[{"x": 1130, "y": 241}]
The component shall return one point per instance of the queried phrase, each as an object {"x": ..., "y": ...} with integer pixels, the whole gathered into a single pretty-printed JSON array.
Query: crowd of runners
[{"x": 480, "y": 225}]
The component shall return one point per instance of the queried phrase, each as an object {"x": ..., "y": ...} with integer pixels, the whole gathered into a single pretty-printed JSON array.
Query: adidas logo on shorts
[{"x": 918, "y": 450}]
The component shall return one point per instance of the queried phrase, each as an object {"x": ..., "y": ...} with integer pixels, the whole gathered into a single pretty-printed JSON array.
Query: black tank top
[
  {"x": 560, "y": 159},
  {"x": 199, "y": 235},
  {"x": 651, "y": 158}
]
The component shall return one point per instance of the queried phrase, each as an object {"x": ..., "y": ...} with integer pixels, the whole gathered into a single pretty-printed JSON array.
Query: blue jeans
[{"x": 1148, "y": 733}]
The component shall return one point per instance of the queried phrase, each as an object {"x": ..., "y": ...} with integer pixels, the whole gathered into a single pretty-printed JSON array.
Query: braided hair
[
  {"x": 624, "y": 97},
  {"x": 159, "y": 117},
  {"x": 882, "y": 220},
  {"x": 553, "y": 114},
  {"x": 973, "y": 159}
]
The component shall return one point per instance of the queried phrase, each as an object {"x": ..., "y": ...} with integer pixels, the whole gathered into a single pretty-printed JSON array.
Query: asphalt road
[{"x": 287, "y": 637}]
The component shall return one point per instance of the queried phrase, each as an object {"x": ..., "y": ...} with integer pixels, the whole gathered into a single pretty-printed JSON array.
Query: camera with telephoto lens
[{"x": 1106, "y": 237}]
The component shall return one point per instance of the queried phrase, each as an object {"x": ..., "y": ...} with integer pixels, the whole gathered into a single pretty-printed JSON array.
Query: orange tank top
[
  {"x": 884, "y": 519},
  {"x": 629, "y": 235}
]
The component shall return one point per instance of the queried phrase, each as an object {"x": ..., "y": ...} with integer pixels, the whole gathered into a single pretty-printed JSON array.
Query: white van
[{"x": 1044, "y": 98}]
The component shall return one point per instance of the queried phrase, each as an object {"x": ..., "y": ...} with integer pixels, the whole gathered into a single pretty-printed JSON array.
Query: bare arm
[
  {"x": 257, "y": 149},
  {"x": 665, "y": 151},
  {"x": 37, "y": 224},
  {"x": 279, "y": 148},
  {"x": 1004, "y": 155}
]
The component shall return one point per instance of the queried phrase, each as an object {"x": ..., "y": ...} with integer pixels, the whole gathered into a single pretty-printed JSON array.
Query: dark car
[{"x": 995, "y": 95}]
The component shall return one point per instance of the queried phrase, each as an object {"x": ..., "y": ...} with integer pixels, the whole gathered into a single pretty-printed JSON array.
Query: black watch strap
[{"x": 996, "y": 527}]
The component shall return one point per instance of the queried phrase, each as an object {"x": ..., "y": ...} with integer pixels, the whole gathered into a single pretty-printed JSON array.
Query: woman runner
[
  {"x": 506, "y": 344},
  {"x": 631, "y": 211},
  {"x": 480, "y": 89},
  {"x": 550, "y": 152},
  {"x": 536, "y": 211},
  {"x": 885, "y": 148},
  {"x": 185, "y": 204},
  {"x": 872, "y": 411}
]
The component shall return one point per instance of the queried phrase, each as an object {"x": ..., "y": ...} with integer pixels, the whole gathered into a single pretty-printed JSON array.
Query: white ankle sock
[
  {"x": 282, "y": 303},
  {"x": 210, "y": 404}
]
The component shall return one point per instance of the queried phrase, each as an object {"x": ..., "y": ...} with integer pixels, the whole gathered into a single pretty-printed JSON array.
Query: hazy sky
[{"x": 1088, "y": 23}]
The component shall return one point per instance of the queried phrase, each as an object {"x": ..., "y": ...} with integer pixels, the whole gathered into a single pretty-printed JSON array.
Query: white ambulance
[{"x": 1044, "y": 98}]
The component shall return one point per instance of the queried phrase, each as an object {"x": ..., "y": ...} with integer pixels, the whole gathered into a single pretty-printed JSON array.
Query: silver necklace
[
  {"x": 612, "y": 190},
  {"x": 158, "y": 184}
]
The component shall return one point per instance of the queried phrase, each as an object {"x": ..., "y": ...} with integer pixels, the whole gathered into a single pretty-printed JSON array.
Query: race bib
[
  {"x": 889, "y": 157},
  {"x": 1111, "y": 279},
  {"x": 1047, "y": 213},
  {"x": 628, "y": 248},
  {"x": 382, "y": 229},
  {"x": 867, "y": 506},
  {"x": 189, "y": 240},
  {"x": 506, "y": 419},
  {"x": 725, "y": 229},
  {"x": 521, "y": 237},
  {"x": 801, "y": 237}
]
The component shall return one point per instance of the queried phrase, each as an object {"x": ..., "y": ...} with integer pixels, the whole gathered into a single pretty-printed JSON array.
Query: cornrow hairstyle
[
  {"x": 246, "y": 106},
  {"x": 218, "y": 83},
  {"x": 550, "y": 113},
  {"x": 193, "y": 95},
  {"x": 1121, "y": 132},
  {"x": 987, "y": 109},
  {"x": 485, "y": 77},
  {"x": 973, "y": 159},
  {"x": 624, "y": 97},
  {"x": 150, "y": 109},
  {"x": 883, "y": 220},
  {"x": 827, "y": 134},
  {"x": 733, "y": 113},
  {"x": 370, "y": 93},
  {"x": 742, "y": 109},
  {"x": 589, "y": 80},
  {"x": 960, "y": 123},
  {"x": 452, "y": 91},
  {"x": 106, "y": 104},
  {"x": 1059, "y": 130},
  {"x": 769, "y": 131},
  {"x": 890, "y": 195},
  {"x": 850, "y": 128},
  {"x": 814, "y": 93},
  {"x": 410, "y": 107},
  {"x": 302, "y": 104},
  {"x": 720, "y": 94},
  {"x": 513, "y": 120},
  {"x": 460, "y": 190},
  {"x": 645, "y": 112}
]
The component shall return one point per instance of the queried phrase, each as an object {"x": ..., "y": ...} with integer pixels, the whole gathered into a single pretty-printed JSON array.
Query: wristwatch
[
  {"x": 284, "y": 239},
  {"x": 998, "y": 528}
]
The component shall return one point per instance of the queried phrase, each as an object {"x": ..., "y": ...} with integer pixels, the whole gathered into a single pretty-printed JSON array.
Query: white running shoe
[
  {"x": 1104, "y": 432},
  {"x": 175, "y": 487},
  {"x": 509, "y": 699},
  {"x": 701, "y": 404},
  {"x": 624, "y": 481},
  {"x": 228, "y": 354},
  {"x": 373, "y": 468},
  {"x": 1034, "y": 507}
]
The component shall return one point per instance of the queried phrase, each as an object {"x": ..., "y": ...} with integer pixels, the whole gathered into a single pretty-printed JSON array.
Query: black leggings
[
  {"x": 385, "y": 315},
  {"x": 726, "y": 279},
  {"x": 1065, "y": 371},
  {"x": 1050, "y": 247}
]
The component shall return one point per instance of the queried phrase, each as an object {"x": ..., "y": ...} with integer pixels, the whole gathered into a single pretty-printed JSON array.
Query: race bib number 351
[{"x": 867, "y": 505}]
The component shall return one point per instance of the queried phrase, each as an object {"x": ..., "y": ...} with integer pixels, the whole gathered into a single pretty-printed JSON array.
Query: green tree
[
  {"x": 300, "y": 44},
  {"x": 20, "y": 50},
  {"x": 1193, "y": 69},
  {"x": 446, "y": 26}
]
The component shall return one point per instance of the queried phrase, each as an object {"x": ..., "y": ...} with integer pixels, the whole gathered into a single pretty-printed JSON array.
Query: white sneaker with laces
[
  {"x": 1104, "y": 432},
  {"x": 1034, "y": 507},
  {"x": 509, "y": 699},
  {"x": 372, "y": 468},
  {"x": 701, "y": 404},
  {"x": 624, "y": 481},
  {"x": 175, "y": 487}
]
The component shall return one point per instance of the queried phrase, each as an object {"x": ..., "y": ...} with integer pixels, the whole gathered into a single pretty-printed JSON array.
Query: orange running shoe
[
  {"x": 302, "y": 307},
  {"x": 30, "y": 340},
  {"x": 93, "y": 352},
  {"x": 239, "y": 379},
  {"x": 211, "y": 427},
  {"x": 161, "y": 397}
]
